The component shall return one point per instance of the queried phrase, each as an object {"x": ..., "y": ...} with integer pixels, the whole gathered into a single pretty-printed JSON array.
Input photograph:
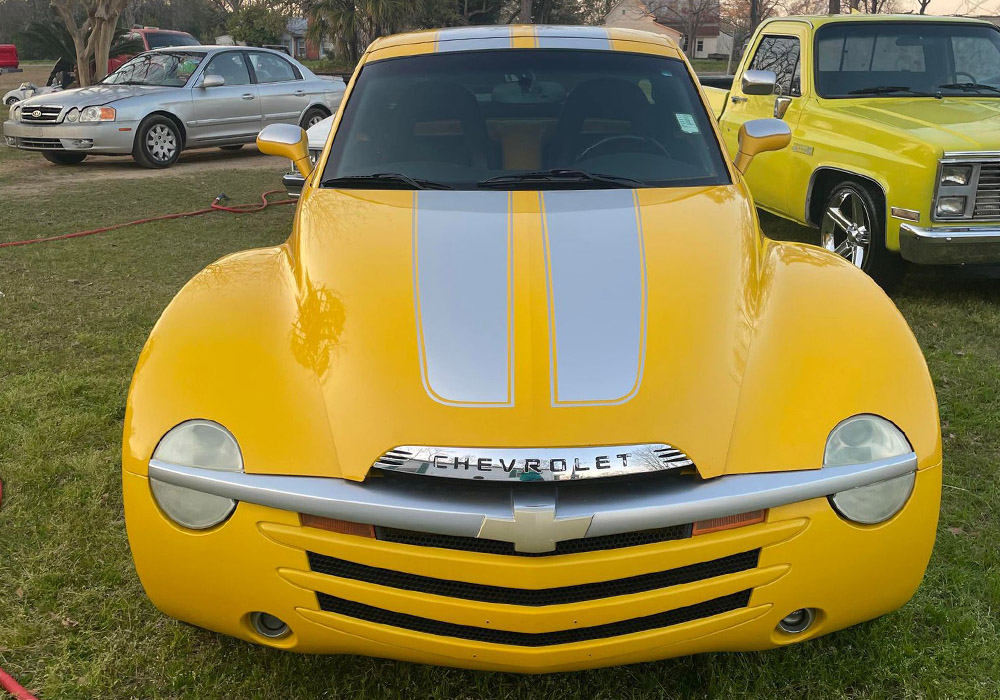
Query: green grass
[
  {"x": 710, "y": 65},
  {"x": 75, "y": 624}
]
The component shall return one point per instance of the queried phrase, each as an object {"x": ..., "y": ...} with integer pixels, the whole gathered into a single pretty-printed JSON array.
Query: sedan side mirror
[
  {"x": 287, "y": 141},
  {"x": 759, "y": 82},
  {"x": 211, "y": 81},
  {"x": 759, "y": 136}
]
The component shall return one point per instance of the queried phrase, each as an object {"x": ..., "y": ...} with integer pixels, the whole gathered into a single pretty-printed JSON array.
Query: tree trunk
[
  {"x": 525, "y": 15},
  {"x": 834, "y": 7},
  {"x": 755, "y": 14}
]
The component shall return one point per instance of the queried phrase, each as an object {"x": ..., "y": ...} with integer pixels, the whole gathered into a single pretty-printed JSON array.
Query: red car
[
  {"x": 8, "y": 57},
  {"x": 153, "y": 38}
]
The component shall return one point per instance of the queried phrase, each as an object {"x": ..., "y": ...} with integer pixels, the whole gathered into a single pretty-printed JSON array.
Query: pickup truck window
[
  {"x": 525, "y": 119},
  {"x": 780, "y": 54},
  {"x": 907, "y": 59}
]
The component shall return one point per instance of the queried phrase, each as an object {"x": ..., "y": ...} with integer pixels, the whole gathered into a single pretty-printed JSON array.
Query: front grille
[
  {"x": 988, "y": 192},
  {"x": 341, "y": 568},
  {"x": 48, "y": 115},
  {"x": 38, "y": 143},
  {"x": 484, "y": 546},
  {"x": 380, "y": 616}
]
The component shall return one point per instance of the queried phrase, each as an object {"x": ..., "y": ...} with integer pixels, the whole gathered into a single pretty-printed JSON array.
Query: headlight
[
  {"x": 73, "y": 115},
  {"x": 97, "y": 114},
  {"x": 203, "y": 444},
  {"x": 951, "y": 206},
  {"x": 15, "y": 112},
  {"x": 956, "y": 175},
  {"x": 862, "y": 439}
]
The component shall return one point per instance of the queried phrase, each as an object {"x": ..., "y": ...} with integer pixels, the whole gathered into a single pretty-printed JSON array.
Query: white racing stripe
[
  {"x": 462, "y": 267},
  {"x": 459, "y": 39},
  {"x": 593, "y": 38},
  {"x": 597, "y": 295}
]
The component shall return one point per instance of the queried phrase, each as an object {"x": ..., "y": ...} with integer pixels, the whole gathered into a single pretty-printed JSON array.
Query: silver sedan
[{"x": 167, "y": 100}]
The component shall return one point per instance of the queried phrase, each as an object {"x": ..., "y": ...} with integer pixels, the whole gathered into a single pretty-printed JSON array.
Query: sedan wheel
[
  {"x": 312, "y": 118},
  {"x": 846, "y": 228},
  {"x": 11, "y": 101},
  {"x": 161, "y": 143},
  {"x": 158, "y": 142}
]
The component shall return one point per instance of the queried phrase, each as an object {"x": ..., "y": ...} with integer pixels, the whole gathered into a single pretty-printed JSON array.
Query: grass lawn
[
  {"x": 75, "y": 624},
  {"x": 711, "y": 65}
]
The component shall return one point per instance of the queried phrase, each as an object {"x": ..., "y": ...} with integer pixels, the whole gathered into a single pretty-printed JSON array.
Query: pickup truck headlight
[
  {"x": 956, "y": 175},
  {"x": 862, "y": 439},
  {"x": 203, "y": 444},
  {"x": 97, "y": 114},
  {"x": 951, "y": 206}
]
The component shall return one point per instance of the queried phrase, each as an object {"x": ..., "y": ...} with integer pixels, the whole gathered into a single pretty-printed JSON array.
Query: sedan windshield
[
  {"x": 170, "y": 69},
  {"x": 911, "y": 59},
  {"x": 525, "y": 119}
]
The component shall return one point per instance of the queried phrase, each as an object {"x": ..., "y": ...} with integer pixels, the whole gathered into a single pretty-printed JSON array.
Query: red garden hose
[
  {"x": 14, "y": 688},
  {"x": 215, "y": 206}
]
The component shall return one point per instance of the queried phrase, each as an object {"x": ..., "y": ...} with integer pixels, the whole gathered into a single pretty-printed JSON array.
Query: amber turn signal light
[
  {"x": 703, "y": 527},
  {"x": 342, "y": 527}
]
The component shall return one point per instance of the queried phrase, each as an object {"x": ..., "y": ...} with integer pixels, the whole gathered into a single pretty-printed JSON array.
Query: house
[
  {"x": 634, "y": 14},
  {"x": 712, "y": 39}
]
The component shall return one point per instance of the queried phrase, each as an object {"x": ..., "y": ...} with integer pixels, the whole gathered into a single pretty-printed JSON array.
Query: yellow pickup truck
[{"x": 895, "y": 121}]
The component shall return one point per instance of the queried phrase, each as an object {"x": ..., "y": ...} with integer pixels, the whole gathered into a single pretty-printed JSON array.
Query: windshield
[
  {"x": 171, "y": 69},
  {"x": 525, "y": 119},
  {"x": 907, "y": 59},
  {"x": 160, "y": 40}
]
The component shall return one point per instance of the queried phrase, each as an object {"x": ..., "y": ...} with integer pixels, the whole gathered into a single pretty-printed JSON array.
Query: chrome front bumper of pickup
[
  {"x": 951, "y": 245},
  {"x": 505, "y": 512}
]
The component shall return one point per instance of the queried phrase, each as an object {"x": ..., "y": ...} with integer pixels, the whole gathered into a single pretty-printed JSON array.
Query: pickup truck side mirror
[
  {"x": 213, "y": 81},
  {"x": 759, "y": 82},
  {"x": 288, "y": 141},
  {"x": 758, "y": 136}
]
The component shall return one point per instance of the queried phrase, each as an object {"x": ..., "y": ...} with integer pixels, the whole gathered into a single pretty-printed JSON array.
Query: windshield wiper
[
  {"x": 889, "y": 89},
  {"x": 394, "y": 180},
  {"x": 966, "y": 87},
  {"x": 561, "y": 175}
]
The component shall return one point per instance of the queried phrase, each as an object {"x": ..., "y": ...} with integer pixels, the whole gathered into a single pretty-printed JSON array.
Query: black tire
[
  {"x": 852, "y": 224},
  {"x": 233, "y": 147},
  {"x": 313, "y": 115},
  {"x": 11, "y": 101},
  {"x": 63, "y": 158},
  {"x": 158, "y": 142}
]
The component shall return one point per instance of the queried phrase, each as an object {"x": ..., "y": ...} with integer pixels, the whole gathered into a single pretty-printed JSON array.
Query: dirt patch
[{"x": 30, "y": 73}]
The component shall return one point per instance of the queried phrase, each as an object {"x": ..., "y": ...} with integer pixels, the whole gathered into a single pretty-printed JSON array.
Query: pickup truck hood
[
  {"x": 94, "y": 95},
  {"x": 556, "y": 319},
  {"x": 951, "y": 123}
]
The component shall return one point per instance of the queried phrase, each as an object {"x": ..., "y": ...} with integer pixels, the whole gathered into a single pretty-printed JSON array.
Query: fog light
[
  {"x": 83, "y": 143},
  {"x": 798, "y": 621},
  {"x": 951, "y": 206},
  {"x": 268, "y": 625}
]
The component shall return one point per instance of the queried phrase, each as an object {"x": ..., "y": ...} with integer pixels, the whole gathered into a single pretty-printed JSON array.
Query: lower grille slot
[
  {"x": 534, "y": 597},
  {"x": 380, "y": 616},
  {"x": 39, "y": 143},
  {"x": 586, "y": 544}
]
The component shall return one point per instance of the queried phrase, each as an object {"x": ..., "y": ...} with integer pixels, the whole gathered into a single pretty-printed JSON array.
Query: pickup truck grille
[
  {"x": 48, "y": 115},
  {"x": 988, "y": 192}
]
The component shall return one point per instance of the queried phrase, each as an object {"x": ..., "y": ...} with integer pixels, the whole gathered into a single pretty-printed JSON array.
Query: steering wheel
[
  {"x": 603, "y": 143},
  {"x": 970, "y": 76}
]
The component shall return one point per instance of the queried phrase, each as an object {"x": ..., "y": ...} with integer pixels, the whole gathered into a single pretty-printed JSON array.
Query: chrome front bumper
[
  {"x": 950, "y": 245},
  {"x": 505, "y": 512},
  {"x": 103, "y": 137}
]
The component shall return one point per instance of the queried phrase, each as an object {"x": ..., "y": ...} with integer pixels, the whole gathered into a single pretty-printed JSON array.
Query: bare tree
[
  {"x": 690, "y": 14},
  {"x": 524, "y": 17},
  {"x": 92, "y": 36},
  {"x": 923, "y": 6}
]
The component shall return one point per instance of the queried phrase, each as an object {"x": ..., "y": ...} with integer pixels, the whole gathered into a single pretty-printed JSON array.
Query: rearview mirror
[
  {"x": 759, "y": 82},
  {"x": 759, "y": 136},
  {"x": 211, "y": 81},
  {"x": 287, "y": 141}
]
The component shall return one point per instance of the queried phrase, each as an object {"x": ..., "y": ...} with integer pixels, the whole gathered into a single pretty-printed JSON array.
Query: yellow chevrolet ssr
[
  {"x": 895, "y": 125},
  {"x": 526, "y": 389}
]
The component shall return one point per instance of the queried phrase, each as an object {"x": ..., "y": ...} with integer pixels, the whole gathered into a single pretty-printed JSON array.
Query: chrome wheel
[
  {"x": 847, "y": 226},
  {"x": 161, "y": 142}
]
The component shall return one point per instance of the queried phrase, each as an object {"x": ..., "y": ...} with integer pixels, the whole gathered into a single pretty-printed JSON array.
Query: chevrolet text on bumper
[{"x": 527, "y": 389}]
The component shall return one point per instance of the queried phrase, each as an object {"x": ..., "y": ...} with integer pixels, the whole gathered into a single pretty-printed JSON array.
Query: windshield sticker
[{"x": 687, "y": 123}]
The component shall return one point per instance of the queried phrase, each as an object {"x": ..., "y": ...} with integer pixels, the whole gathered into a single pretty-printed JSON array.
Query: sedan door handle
[
  {"x": 248, "y": 96},
  {"x": 299, "y": 93}
]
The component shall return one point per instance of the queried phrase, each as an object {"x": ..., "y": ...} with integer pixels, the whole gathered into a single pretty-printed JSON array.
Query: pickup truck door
[
  {"x": 780, "y": 51},
  {"x": 226, "y": 113}
]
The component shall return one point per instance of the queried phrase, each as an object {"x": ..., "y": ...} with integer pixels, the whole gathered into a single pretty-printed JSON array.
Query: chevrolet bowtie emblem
[{"x": 534, "y": 528}]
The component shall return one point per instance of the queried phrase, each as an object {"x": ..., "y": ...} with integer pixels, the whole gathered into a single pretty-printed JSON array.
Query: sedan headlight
[
  {"x": 73, "y": 115},
  {"x": 97, "y": 114},
  {"x": 862, "y": 439},
  {"x": 202, "y": 444},
  {"x": 956, "y": 175},
  {"x": 15, "y": 112}
]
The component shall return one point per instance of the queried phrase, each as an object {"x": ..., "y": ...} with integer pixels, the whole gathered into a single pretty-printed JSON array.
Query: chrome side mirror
[
  {"x": 211, "y": 81},
  {"x": 781, "y": 105},
  {"x": 759, "y": 82},
  {"x": 759, "y": 136},
  {"x": 288, "y": 141}
]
